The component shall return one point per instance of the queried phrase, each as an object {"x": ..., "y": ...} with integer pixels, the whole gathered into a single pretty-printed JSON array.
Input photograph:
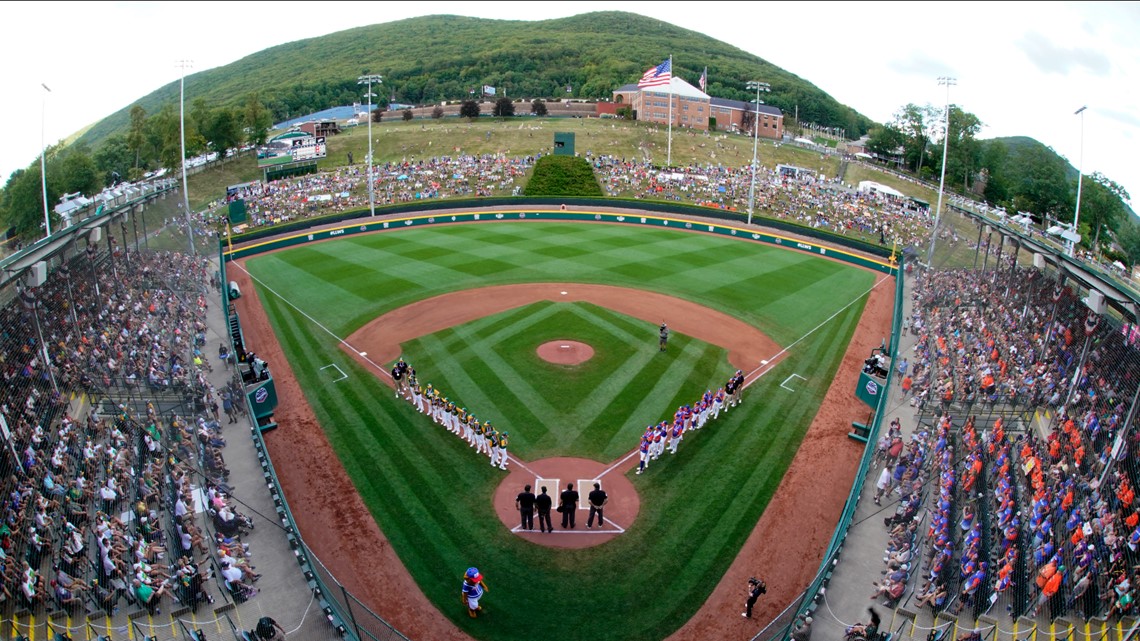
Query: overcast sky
[{"x": 1022, "y": 68}]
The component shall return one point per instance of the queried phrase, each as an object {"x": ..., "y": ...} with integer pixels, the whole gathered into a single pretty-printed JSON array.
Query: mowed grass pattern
[
  {"x": 490, "y": 366},
  {"x": 432, "y": 495}
]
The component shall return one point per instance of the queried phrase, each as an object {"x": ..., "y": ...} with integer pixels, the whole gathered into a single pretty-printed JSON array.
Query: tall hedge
[{"x": 562, "y": 176}]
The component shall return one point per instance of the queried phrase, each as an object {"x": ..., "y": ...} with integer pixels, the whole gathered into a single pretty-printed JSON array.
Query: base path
[
  {"x": 785, "y": 548},
  {"x": 747, "y": 346}
]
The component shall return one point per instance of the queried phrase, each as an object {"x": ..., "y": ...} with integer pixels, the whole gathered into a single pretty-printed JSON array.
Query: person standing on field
[
  {"x": 598, "y": 500},
  {"x": 542, "y": 504},
  {"x": 525, "y": 502},
  {"x": 664, "y": 335},
  {"x": 568, "y": 505}
]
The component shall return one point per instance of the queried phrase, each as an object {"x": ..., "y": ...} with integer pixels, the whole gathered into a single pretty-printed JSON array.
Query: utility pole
[
  {"x": 43, "y": 159},
  {"x": 758, "y": 86},
  {"x": 948, "y": 82},
  {"x": 184, "y": 65},
  {"x": 368, "y": 79}
]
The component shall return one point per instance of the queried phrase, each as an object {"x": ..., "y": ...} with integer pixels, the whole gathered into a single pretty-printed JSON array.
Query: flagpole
[{"x": 669, "y": 156}]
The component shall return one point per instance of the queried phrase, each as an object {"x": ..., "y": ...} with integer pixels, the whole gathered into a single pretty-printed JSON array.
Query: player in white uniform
[{"x": 503, "y": 438}]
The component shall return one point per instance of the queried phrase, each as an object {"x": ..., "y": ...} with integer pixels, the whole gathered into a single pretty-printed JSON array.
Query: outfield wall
[
  {"x": 512, "y": 205},
  {"x": 348, "y": 614}
]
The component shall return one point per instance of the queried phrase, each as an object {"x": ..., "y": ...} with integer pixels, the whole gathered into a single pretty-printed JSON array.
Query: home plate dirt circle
[
  {"x": 565, "y": 352},
  {"x": 620, "y": 513}
]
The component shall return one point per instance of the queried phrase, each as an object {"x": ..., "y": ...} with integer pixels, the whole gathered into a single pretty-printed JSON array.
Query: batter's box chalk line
[
  {"x": 616, "y": 529},
  {"x": 784, "y": 384},
  {"x": 338, "y": 369}
]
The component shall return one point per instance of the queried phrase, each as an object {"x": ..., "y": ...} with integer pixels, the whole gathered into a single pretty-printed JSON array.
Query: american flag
[
  {"x": 659, "y": 76},
  {"x": 704, "y": 81}
]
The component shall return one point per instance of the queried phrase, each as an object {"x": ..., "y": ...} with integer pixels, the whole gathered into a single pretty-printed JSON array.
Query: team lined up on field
[
  {"x": 687, "y": 417},
  {"x": 428, "y": 400}
]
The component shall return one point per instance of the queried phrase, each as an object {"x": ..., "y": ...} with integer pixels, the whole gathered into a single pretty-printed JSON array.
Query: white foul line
[
  {"x": 809, "y": 333},
  {"x": 340, "y": 340}
]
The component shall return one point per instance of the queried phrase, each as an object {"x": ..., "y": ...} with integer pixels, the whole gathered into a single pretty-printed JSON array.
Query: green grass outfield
[{"x": 432, "y": 496}]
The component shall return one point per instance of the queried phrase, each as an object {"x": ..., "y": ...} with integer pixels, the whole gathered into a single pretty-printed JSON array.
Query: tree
[
  {"x": 469, "y": 109},
  {"x": 408, "y": 115},
  {"x": 136, "y": 135},
  {"x": 21, "y": 203},
  {"x": 256, "y": 119},
  {"x": 884, "y": 141},
  {"x": 963, "y": 158},
  {"x": 1102, "y": 205},
  {"x": 223, "y": 130},
  {"x": 504, "y": 108},
  {"x": 79, "y": 173},
  {"x": 113, "y": 159},
  {"x": 915, "y": 123},
  {"x": 377, "y": 115},
  {"x": 624, "y": 112},
  {"x": 1040, "y": 184},
  {"x": 437, "y": 112},
  {"x": 538, "y": 108},
  {"x": 1128, "y": 235}
]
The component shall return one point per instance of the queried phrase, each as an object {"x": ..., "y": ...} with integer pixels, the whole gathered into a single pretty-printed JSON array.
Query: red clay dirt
[
  {"x": 620, "y": 512},
  {"x": 562, "y": 352},
  {"x": 785, "y": 548}
]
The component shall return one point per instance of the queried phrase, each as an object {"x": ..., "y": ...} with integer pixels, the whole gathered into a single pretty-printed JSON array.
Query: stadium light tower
[
  {"x": 949, "y": 82},
  {"x": 758, "y": 86},
  {"x": 1069, "y": 243},
  {"x": 43, "y": 159},
  {"x": 184, "y": 65},
  {"x": 368, "y": 79}
]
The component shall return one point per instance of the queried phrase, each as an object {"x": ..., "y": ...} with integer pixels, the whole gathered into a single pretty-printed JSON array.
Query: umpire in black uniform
[
  {"x": 524, "y": 503},
  {"x": 568, "y": 505},
  {"x": 597, "y": 499},
  {"x": 543, "y": 503}
]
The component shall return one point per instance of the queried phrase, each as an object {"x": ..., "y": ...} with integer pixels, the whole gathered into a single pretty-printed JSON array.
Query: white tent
[
  {"x": 863, "y": 155},
  {"x": 805, "y": 141},
  {"x": 876, "y": 188}
]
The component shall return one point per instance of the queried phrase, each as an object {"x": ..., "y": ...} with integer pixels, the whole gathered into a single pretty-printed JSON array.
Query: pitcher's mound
[
  {"x": 554, "y": 473},
  {"x": 565, "y": 352}
]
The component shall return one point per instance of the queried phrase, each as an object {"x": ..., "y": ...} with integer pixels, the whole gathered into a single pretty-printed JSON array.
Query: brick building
[
  {"x": 690, "y": 105},
  {"x": 692, "y": 108},
  {"x": 731, "y": 116}
]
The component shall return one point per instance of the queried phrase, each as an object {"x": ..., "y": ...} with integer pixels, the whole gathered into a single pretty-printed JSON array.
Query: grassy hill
[{"x": 593, "y": 53}]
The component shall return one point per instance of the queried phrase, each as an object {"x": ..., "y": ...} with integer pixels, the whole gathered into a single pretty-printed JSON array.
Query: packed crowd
[
  {"x": 482, "y": 436},
  {"x": 805, "y": 198},
  {"x": 106, "y": 494},
  {"x": 346, "y": 188},
  {"x": 1049, "y": 524},
  {"x": 687, "y": 418}
]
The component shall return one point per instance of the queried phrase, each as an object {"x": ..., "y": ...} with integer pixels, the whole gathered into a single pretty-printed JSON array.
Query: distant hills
[{"x": 435, "y": 58}]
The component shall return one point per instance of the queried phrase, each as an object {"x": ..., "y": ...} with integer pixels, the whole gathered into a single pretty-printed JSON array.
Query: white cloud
[{"x": 1021, "y": 69}]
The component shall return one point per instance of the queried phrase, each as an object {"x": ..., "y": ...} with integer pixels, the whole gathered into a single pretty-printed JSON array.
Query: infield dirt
[{"x": 784, "y": 549}]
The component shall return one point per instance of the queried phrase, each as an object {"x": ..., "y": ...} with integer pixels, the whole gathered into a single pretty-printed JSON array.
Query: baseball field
[{"x": 433, "y": 497}]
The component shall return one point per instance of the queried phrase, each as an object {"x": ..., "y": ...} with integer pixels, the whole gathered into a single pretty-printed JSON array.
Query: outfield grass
[{"x": 431, "y": 495}]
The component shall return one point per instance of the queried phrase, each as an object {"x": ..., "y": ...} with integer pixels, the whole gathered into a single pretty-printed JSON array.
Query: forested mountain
[{"x": 434, "y": 58}]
